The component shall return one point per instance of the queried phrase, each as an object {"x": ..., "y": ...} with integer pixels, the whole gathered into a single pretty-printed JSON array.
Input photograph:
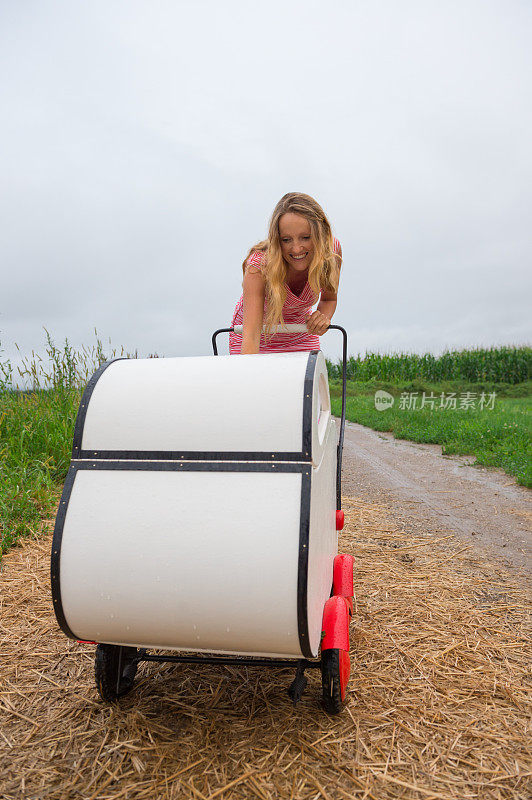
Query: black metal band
[
  {"x": 308, "y": 386},
  {"x": 302, "y": 566},
  {"x": 188, "y": 466},
  {"x": 55, "y": 559},
  {"x": 192, "y": 455},
  {"x": 85, "y": 399}
]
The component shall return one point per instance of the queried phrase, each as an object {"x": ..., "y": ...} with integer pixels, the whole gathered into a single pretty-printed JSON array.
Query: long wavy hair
[{"x": 324, "y": 269}]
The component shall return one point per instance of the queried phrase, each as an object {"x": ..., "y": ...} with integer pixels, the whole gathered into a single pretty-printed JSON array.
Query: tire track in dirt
[{"x": 483, "y": 506}]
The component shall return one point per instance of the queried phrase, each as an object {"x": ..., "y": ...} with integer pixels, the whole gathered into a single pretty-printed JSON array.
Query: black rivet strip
[{"x": 191, "y": 455}]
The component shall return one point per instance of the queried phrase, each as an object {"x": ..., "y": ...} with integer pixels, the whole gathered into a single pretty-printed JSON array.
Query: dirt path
[{"x": 441, "y": 493}]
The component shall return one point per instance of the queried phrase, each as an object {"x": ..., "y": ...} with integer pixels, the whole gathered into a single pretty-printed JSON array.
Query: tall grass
[
  {"x": 493, "y": 365},
  {"x": 38, "y": 407}
]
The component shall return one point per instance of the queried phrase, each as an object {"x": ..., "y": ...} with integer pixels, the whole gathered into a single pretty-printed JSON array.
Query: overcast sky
[{"x": 143, "y": 146}]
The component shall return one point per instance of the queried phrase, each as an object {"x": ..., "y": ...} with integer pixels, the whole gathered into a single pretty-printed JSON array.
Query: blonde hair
[{"x": 324, "y": 269}]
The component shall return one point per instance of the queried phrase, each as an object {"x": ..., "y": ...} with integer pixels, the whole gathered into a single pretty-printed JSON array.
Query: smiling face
[{"x": 296, "y": 241}]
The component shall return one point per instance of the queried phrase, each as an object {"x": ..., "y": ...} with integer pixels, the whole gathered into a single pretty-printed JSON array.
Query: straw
[{"x": 439, "y": 701}]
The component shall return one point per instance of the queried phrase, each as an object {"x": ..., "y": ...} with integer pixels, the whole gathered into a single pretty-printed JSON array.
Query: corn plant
[{"x": 479, "y": 365}]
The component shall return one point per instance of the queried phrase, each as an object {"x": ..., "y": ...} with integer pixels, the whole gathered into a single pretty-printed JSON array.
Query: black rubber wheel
[
  {"x": 330, "y": 681},
  {"x": 109, "y": 660}
]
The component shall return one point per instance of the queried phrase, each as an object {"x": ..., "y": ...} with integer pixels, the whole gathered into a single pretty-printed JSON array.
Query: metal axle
[{"x": 237, "y": 661}]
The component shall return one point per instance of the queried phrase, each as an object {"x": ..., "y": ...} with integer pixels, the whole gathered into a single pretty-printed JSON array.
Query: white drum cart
[{"x": 199, "y": 516}]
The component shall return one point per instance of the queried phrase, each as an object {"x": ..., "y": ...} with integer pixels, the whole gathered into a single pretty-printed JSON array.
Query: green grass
[
  {"x": 497, "y": 438},
  {"x": 36, "y": 432}
]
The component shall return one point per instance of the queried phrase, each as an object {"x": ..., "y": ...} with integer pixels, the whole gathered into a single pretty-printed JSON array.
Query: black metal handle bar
[{"x": 340, "y": 448}]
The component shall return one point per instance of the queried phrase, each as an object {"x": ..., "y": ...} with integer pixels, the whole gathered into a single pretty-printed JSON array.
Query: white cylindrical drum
[{"x": 199, "y": 509}]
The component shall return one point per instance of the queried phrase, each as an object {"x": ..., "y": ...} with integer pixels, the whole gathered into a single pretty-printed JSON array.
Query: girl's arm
[
  {"x": 253, "y": 310},
  {"x": 319, "y": 321}
]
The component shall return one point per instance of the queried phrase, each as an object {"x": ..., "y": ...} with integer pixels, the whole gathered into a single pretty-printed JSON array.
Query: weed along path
[
  {"x": 485, "y": 507},
  {"x": 439, "y": 697}
]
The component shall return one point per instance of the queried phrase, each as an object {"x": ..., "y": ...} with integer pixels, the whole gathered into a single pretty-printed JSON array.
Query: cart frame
[{"x": 116, "y": 665}]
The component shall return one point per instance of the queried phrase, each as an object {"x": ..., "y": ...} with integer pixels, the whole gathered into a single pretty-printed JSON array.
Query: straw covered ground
[{"x": 438, "y": 707}]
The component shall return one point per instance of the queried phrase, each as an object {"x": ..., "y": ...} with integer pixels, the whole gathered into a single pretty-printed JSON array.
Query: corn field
[{"x": 494, "y": 365}]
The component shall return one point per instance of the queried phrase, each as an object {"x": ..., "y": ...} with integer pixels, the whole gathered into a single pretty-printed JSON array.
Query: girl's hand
[{"x": 318, "y": 323}]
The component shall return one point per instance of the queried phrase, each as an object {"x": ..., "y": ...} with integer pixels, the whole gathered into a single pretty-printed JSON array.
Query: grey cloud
[{"x": 145, "y": 146}]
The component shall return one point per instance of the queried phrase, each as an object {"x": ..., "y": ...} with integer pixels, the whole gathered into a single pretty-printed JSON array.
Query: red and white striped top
[{"x": 296, "y": 309}]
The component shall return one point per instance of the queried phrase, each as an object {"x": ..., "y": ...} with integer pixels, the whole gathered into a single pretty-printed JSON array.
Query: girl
[{"x": 284, "y": 276}]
